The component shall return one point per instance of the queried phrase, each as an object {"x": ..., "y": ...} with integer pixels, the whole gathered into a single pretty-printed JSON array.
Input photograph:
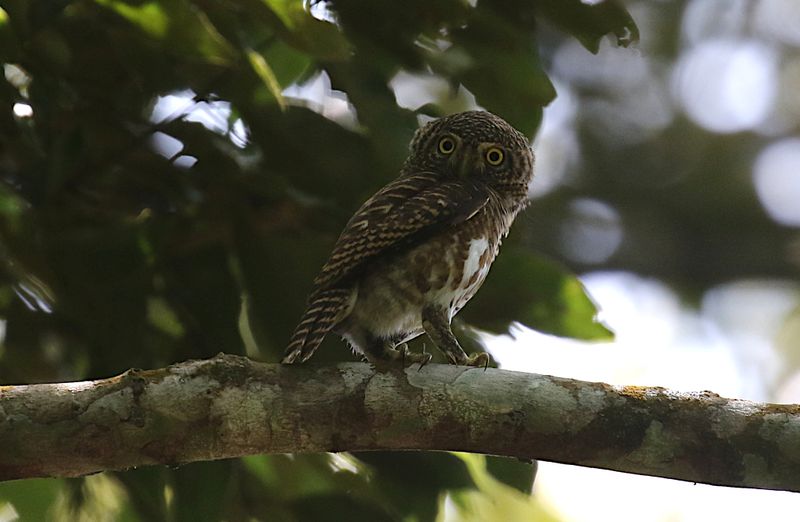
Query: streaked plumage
[{"x": 418, "y": 250}]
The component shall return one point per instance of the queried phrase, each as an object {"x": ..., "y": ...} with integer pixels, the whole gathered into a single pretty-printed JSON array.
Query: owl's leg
[
  {"x": 436, "y": 323},
  {"x": 382, "y": 350}
]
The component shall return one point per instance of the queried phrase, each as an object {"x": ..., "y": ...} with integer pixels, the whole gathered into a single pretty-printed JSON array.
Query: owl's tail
[{"x": 325, "y": 309}]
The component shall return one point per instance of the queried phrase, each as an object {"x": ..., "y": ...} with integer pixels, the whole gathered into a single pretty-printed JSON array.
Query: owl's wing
[{"x": 402, "y": 213}]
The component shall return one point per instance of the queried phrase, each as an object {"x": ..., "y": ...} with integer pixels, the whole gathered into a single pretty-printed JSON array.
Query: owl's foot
[
  {"x": 386, "y": 354},
  {"x": 436, "y": 323},
  {"x": 410, "y": 358},
  {"x": 479, "y": 359}
]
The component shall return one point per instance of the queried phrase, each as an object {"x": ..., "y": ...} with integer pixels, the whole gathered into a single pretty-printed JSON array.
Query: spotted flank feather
[{"x": 325, "y": 309}]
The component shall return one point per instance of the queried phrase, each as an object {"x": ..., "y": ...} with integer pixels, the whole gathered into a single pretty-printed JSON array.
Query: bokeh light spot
[
  {"x": 23, "y": 110},
  {"x": 592, "y": 232},
  {"x": 726, "y": 85},
  {"x": 776, "y": 175}
]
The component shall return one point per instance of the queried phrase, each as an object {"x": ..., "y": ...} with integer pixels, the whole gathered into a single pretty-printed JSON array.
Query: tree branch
[{"x": 229, "y": 406}]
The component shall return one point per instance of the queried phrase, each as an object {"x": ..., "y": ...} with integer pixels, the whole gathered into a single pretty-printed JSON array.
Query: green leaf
[
  {"x": 267, "y": 76},
  {"x": 182, "y": 27},
  {"x": 328, "y": 161},
  {"x": 319, "y": 38},
  {"x": 149, "y": 16},
  {"x": 494, "y": 500},
  {"x": 31, "y": 499},
  {"x": 310, "y": 487},
  {"x": 9, "y": 44},
  {"x": 589, "y": 23},
  {"x": 512, "y": 472},
  {"x": 386, "y": 33},
  {"x": 94, "y": 497},
  {"x": 491, "y": 47},
  {"x": 284, "y": 10},
  {"x": 287, "y": 63},
  {"x": 163, "y": 317},
  {"x": 539, "y": 294}
]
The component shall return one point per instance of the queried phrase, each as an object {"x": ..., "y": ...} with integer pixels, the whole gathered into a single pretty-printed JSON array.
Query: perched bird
[{"x": 418, "y": 250}]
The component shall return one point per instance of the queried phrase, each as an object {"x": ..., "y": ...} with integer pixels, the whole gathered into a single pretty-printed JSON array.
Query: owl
[{"x": 418, "y": 250}]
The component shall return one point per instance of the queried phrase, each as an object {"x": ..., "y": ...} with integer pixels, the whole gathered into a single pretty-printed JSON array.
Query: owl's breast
[
  {"x": 467, "y": 260},
  {"x": 445, "y": 270}
]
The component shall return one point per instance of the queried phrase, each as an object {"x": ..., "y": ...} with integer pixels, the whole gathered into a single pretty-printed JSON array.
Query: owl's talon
[
  {"x": 427, "y": 356},
  {"x": 426, "y": 359},
  {"x": 479, "y": 359},
  {"x": 407, "y": 357}
]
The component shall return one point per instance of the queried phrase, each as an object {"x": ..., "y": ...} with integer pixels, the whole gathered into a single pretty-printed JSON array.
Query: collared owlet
[{"x": 418, "y": 250}]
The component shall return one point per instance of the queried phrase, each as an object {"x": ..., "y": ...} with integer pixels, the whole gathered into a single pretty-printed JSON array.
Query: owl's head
[{"x": 474, "y": 145}]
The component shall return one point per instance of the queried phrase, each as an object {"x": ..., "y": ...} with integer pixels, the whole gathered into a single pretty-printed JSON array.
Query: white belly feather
[{"x": 454, "y": 300}]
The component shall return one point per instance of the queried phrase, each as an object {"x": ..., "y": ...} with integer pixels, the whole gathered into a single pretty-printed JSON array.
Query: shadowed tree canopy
[{"x": 174, "y": 172}]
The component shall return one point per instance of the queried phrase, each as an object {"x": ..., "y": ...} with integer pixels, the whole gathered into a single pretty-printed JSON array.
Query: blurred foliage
[
  {"x": 163, "y": 197},
  {"x": 493, "y": 500},
  {"x": 560, "y": 305}
]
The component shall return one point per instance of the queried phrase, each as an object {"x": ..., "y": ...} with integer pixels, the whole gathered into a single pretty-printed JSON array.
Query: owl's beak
[{"x": 467, "y": 164}]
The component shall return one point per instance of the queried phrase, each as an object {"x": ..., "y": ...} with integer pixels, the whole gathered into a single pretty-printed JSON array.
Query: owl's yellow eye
[
  {"x": 447, "y": 145},
  {"x": 494, "y": 156}
]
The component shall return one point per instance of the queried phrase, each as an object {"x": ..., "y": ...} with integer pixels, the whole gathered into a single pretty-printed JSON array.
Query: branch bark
[{"x": 229, "y": 406}]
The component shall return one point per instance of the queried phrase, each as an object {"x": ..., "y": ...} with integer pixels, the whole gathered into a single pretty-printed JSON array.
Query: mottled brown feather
[
  {"x": 400, "y": 214},
  {"x": 324, "y": 309}
]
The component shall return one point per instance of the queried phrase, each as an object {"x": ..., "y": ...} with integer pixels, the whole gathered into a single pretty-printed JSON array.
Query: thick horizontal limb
[{"x": 229, "y": 406}]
